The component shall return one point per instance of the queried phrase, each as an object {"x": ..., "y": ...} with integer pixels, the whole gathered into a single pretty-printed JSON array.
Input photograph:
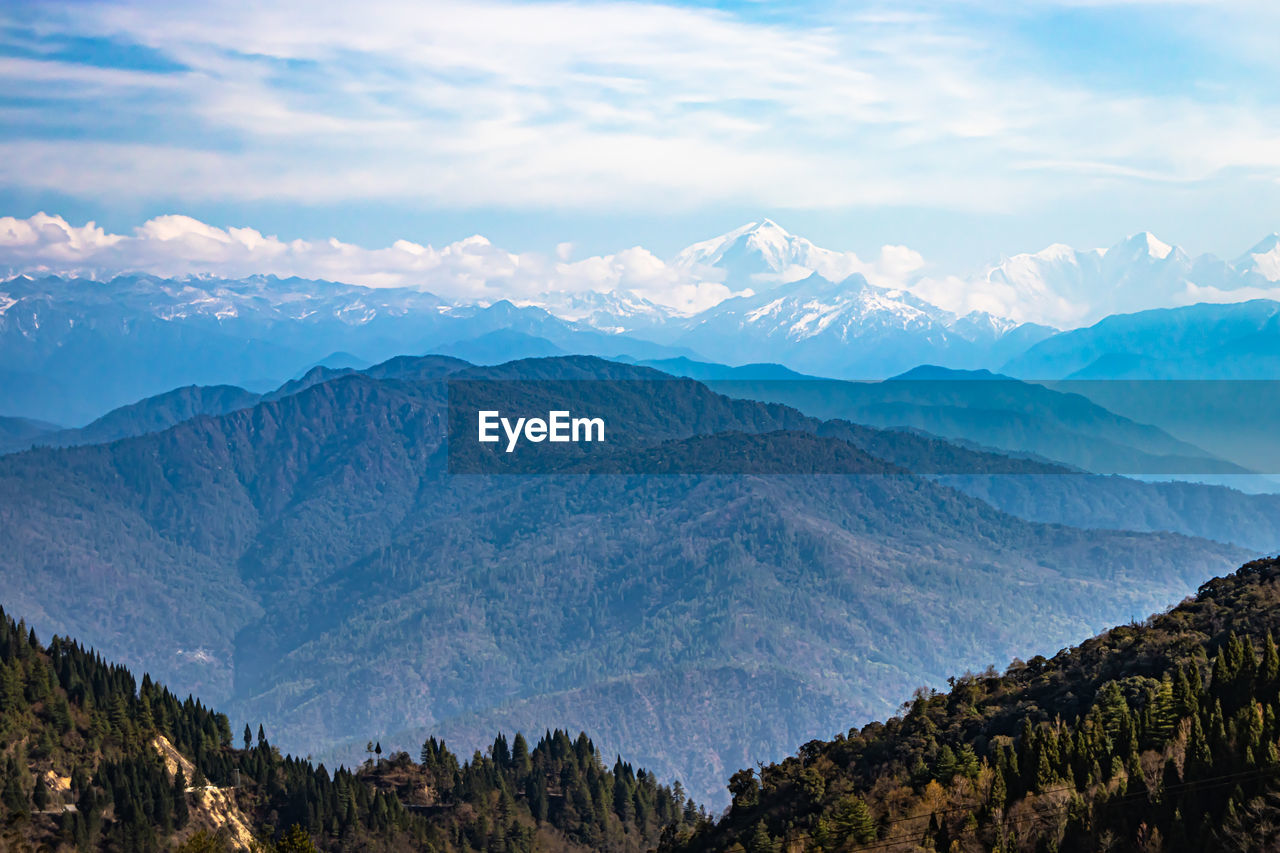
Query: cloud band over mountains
[
  {"x": 471, "y": 269},
  {"x": 1058, "y": 286}
]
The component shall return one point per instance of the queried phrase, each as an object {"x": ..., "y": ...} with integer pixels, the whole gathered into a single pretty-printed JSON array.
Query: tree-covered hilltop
[
  {"x": 498, "y": 799},
  {"x": 1160, "y": 736},
  {"x": 92, "y": 760}
]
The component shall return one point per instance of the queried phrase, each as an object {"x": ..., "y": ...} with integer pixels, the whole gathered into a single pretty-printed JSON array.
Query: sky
[{"x": 966, "y": 131}]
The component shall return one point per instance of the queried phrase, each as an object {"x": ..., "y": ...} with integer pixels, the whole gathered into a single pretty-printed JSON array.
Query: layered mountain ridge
[{"x": 309, "y": 562}]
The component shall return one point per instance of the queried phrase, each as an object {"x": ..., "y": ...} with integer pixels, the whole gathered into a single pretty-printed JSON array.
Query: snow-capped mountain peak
[
  {"x": 848, "y": 328},
  {"x": 1263, "y": 259},
  {"x": 1070, "y": 287},
  {"x": 763, "y": 254},
  {"x": 766, "y": 242},
  {"x": 1057, "y": 252},
  {"x": 1142, "y": 243},
  {"x": 776, "y": 245}
]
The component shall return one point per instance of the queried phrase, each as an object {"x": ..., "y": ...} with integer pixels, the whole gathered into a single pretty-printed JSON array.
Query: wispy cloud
[{"x": 592, "y": 106}]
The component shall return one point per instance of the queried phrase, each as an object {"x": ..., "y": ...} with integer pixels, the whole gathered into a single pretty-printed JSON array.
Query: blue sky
[{"x": 963, "y": 130}]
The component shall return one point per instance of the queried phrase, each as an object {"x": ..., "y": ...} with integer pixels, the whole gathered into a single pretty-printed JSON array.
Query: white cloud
[
  {"x": 52, "y": 237},
  {"x": 1058, "y": 286},
  {"x": 1030, "y": 303},
  {"x": 469, "y": 269},
  {"x": 593, "y": 106},
  {"x": 1196, "y": 293}
]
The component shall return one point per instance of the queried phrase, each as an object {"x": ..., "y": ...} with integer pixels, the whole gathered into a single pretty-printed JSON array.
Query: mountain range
[
  {"x": 852, "y": 329},
  {"x": 1027, "y": 449},
  {"x": 254, "y": 499},
  {"x": 308, "y": 561},
  {"x": 72, "y": 349}
]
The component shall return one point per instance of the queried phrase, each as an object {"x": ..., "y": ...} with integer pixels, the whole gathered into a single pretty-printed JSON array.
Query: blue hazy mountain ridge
[
  {"x": 706, "y": 370},
  {"x": 158, "y": 413},
  {"x": 337, "y": 361},
  {"x": 1207, "y": 341},
  {"x": 308, "y": 562},
  {"x": 990, "y": 410},
  {"x": 500, "y": 346},
  {"x": 73, "y": 349},
  {"x": 1043, "y": 491},
  {"x": 469, "y": 323},
  {"x": 1117, "y": 503},
  {"x": 1071, "y": 429},
  {"x": 970, "y": 458},
  {"x": 92, "y": 370},
  {"x": 20, "y": 433},
  {"x": 1061, "y": 495},
  {"x": 162, "y": 411},
  {"x": 1221, "y": 514},
  {"x": 152, "y": 414},
  {"x": 968, "y": 461},
  {"x": 1207, "y": 373}
]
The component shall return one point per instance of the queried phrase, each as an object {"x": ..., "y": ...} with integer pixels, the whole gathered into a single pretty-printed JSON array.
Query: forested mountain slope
[
  {"x": 92, "y": 760},
  {"x": 152, "y": 414},
  {"x": 1158, "y": 736}
]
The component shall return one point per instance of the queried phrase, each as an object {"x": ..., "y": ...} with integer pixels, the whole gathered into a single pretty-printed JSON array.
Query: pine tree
[
  {"x": 179, "y": 792},
  {"x": 40, "y": 796},
  {"x": 12, "y": 797},
  {"x": 296, "y": 840},
  {"x": 1184, "y": 700},
  {"x": 761, "y": 841},
  {"x": 823, "y": 837},
  {"x": 1269, "y": 671},
  {"x": 1163, "y": 710},
  {"x": 967, "y": 763},
  {"x": 945, "y": 769},
  {"x": 999, "y": 791},
  {"x": 1045, "y": 777},
  {"x": 520, "y": 760},
  {"x": 851, "y": 818}
]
